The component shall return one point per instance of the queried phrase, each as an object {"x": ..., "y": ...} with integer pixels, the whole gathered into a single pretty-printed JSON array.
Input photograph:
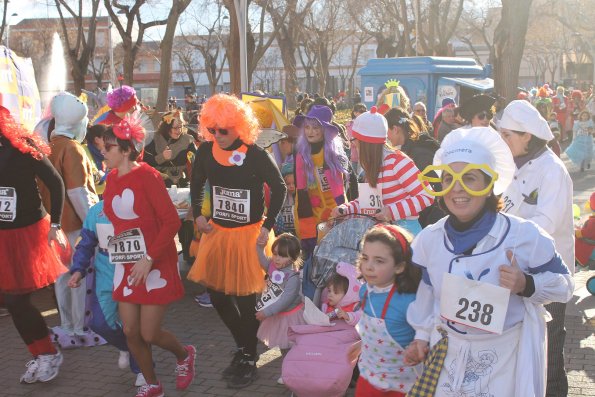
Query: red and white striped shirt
[{"x": 401, "y": 191}]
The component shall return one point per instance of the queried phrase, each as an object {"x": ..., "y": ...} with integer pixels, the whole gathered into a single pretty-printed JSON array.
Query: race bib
[
  {"x": 287, "y": 217},
  {"x": 231, "y": 204},
  {"x": 325, "y": 186},
  {"x": 127, "y": 247},
  {"x": 370, "y": 198},
  {"x": 272, "y": 293},
  {"x": 474, "y": 303},
  {"x": 8, "y": 204},
  {"x": 105, "y": 231}
]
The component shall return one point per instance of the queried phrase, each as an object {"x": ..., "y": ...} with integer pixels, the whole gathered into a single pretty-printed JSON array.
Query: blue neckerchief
[
  {"x": 97, "y": 156},
  {"x": 464, "y": 240}
]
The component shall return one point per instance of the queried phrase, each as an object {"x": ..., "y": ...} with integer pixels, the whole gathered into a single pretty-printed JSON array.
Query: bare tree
[
  {"x": 186, "y": 56},
  {"x": 477, "y": 27},
  {"x": 133, "y": 25},
  {"x": 78, "y": 34},
  {"x": 4, "y": 11},
  {"x": 509, "y": 42},
  {"x": 259, "y": 41},
  {"x": 442, "y": 18},
  {"x": 97, "y": 68},
  {"x": 177, "y": 8}
]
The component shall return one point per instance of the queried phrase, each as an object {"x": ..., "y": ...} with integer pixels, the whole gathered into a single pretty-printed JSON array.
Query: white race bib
[
  {"x": 127, "y": 247},
  {"x": 474, "y": 303},
  {"x": 271, "y": 294},
  {"x": 8, "y": 204},
  {"x": 325, "y": 186},
  {"x": 287, "y": 217},
  {"x": 231, "y": 204},
  {"x": 105, "y": 231},
  {"x": 370, "y": 198}
]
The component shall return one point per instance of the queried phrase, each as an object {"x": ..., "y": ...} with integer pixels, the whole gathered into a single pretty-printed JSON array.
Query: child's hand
[
  {"x": 416, "y": 352},
  {"x": 75, "y": 280},
  {"x": 342, "y": 315},
  {"x": 260, "y": 316},
  {"x": 354, "y": 352}
]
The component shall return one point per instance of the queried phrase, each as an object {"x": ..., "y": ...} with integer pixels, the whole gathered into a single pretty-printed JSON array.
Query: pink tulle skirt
[
  {"x": 273, "y": 330},
  {"x": 27, "y": 262}
]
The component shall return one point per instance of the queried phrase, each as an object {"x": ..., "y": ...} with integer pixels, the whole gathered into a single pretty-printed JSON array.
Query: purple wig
[{"x": 334, "y": 155}]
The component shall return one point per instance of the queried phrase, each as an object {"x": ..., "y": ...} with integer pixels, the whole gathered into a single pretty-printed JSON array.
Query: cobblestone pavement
[{"x": 94, "y": 371}]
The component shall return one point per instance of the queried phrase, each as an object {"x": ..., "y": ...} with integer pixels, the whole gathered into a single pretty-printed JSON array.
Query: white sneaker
[
  {"x": 49, "y": 366},
  {"x": 280, "y": 381},
  {"x": 123, "y": 360},
  {"x": 30, "y": 376},
  {"x": 140, "y": 380}
]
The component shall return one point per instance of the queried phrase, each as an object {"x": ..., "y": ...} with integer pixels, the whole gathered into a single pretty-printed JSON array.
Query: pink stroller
[{"x": 317, "y": 364}]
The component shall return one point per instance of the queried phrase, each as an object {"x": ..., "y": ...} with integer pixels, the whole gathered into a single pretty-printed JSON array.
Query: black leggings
[
  {"x": 239, "y": 315},
  {"x": 27, "y": 318}
]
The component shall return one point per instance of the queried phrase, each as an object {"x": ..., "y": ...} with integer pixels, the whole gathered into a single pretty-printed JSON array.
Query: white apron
[
  {"x": 480, "y": 365},
  {"x": 381, "y": 361}
]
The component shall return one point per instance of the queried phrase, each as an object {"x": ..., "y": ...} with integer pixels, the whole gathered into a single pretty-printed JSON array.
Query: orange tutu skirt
[
  {"x": 227, "y": 260},
  {"x": 27, "y": 262}
]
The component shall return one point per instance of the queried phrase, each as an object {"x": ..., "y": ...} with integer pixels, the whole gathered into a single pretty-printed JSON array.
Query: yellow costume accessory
[{"x": 425, "y": 176}]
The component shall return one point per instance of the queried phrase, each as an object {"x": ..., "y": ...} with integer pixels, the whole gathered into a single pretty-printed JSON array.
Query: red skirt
[{"x": 27, "y": 262}]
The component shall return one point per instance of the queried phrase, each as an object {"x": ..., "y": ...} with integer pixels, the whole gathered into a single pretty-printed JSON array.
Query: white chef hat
[
  {"x": 478, "y": 145},
  {"x": 522, "y": 116}
]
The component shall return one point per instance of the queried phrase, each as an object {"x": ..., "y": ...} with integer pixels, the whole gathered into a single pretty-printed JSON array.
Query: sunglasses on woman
[{"x": 222, "y": 131}]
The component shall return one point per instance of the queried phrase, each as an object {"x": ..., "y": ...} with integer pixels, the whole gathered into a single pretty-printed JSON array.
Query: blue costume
[{"x": 104, "y": 319}]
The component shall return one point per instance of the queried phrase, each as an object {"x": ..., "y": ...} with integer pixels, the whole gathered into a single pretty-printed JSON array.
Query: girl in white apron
[
  {"x": 391, "y": 192},
  {"x": 391, "y": 282},
  {"x": 485, "y": 277}
]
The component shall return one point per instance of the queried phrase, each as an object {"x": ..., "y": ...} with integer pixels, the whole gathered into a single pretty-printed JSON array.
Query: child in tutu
[
  {"x": 280, "y": 306},
  {"x": 342, "y": 300}
]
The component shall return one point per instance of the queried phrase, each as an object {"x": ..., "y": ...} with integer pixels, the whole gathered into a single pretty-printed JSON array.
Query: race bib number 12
[
  {"x": 474, "y": 303},
  {"x": 8, "y": 204}
]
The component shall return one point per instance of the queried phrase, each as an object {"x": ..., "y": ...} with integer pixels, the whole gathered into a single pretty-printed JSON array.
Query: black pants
[
  {"x": 557, "y": 383},
  {"x": 27, "y": 318},
  {"x": 239, "y": 316}
]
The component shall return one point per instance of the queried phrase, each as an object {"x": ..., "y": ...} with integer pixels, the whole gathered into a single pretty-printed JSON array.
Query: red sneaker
[
  {"x": 185, "y": 369},
  {"x": 150, "y": 391}
]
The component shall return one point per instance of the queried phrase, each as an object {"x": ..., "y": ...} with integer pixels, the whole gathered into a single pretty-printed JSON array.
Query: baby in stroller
[{"x": 342, "y": 295}]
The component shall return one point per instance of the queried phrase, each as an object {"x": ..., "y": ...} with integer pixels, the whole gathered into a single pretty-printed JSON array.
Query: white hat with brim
[
  {"x": 521, "y": 116},
  {"x": 478, "y": 145}
]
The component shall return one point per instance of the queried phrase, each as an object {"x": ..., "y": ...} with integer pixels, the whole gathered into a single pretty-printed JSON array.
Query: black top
[
  {"x": 173, "y": 171},
  {"x": 19, "y": 170},
  {"x": 257, "y": 169}
]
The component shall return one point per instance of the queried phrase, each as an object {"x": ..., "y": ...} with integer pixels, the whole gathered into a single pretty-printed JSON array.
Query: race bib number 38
[
  {"x": 8, "y": 204},
  {"x": 127, "y": 247},
  {"x": 271, "y": 294},
  {"x": 474, "y": 303},
  {"x": 231, "y": 204}
]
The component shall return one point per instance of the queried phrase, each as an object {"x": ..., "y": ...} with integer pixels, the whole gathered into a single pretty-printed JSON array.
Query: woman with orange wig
[{"x": 227, "y": 261}]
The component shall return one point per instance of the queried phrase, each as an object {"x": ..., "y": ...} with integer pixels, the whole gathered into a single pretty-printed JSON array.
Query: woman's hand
[
  {"x": 58, "y": 236},
  {"x": 140, "y": 271},
  {"x": 354, "y": 352},
  {"x": 75, "y": 280},
  {"x": 337, "y": 211},
  {"x": 167, "y": 153},
  {"x": 263, "y": 237},
  {"x": 203, "y": 225},
  {"x": 511, "y": 276},
  {"x": 384, "y": 215},
  {"x": 416, "y": 352}
]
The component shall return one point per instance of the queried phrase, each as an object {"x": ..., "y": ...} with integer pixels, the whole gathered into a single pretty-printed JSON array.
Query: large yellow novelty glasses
[{"x": 449, "y": 177}]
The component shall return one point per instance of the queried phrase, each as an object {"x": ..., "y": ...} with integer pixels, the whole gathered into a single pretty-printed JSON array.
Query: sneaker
[
  {"x": 185, "y": 369},
  {"x": 245, "y": 373},
  {"x": 140, "y": 380},
  {"x": 150, "y": 391},
  {"x": 4, "y": 312},
  {"x": 30, "y": 375},
  {"x": 229, "y": 372},
  {"x": 203, "y": 299},
  {"x": 49, "y": 366},
  {"x": 280, "y": 381},
  {"x": 123, "y": 360}
]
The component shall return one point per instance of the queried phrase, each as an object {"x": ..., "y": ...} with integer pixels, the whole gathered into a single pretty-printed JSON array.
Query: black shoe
[
  {"x": 230, "y": 371},
  {"x": 245, "y": 373}
]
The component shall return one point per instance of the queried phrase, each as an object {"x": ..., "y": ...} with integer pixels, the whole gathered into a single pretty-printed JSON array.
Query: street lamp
[
  {"x": 14, "y": 14},
  {"x": 241, "y": 7}
]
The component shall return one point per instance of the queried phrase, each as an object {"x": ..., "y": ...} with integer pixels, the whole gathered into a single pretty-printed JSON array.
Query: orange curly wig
[
  {"x": 23, "y": 140},
  {"x": 226, "y": 111}
]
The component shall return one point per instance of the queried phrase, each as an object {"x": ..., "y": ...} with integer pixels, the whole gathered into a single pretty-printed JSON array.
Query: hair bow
[
  {"x": 130, "y": 129},
  {"x": 403, "y": 120},
  {"x": 170, "y": 116}
]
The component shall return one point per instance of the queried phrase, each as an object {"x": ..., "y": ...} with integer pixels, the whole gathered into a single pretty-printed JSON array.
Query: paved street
[{"x": 94, "y": 371}]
